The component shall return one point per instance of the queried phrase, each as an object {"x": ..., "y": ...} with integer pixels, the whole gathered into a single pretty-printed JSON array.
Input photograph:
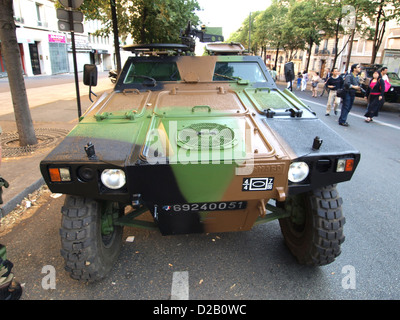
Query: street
[{"x": 252, "y": 265}]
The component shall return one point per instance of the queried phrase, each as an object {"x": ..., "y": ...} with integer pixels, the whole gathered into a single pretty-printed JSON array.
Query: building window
[{"x": 40, "y": 15}]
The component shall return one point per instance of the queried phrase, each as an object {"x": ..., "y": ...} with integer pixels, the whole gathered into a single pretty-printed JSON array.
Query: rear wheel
[
  {"x": 314, "y": 230},
  {"x": 90, "y": 241}
]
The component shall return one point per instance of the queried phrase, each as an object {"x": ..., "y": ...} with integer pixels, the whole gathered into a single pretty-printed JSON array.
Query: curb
[{"x": 11, "y": 204}]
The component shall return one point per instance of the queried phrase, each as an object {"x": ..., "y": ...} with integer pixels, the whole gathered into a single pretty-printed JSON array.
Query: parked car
[{"x": 393, "y": 95}]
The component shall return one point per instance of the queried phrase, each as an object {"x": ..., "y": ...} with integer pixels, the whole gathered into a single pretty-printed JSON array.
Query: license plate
[{"x": 205, "y": 206}]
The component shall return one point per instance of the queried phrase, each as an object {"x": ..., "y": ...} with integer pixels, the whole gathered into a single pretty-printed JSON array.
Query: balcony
[
  {"x": 19, "y": 20},
  {"x": 43, "y": 24},
  {"x": 324, "y": 52}
]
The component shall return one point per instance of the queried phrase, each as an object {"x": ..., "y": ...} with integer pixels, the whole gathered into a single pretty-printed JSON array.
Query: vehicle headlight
[
  {"x": 298, "y": 171},
  {"x": 113, "y": 178}
]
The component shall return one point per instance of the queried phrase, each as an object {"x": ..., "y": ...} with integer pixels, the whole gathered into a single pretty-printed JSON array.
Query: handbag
[
  {"x": 387, "y": 85},
  {"x": 340, "y": 93}
]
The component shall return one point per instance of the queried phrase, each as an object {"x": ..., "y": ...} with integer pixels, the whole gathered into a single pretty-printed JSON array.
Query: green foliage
[
  {"x": 147, "y": 21},
  {"x": 298, "y": 24}
]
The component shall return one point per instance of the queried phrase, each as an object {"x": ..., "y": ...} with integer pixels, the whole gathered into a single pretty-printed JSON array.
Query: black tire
[
  {"x": 89, "y": 254},
  {"x": 314, "y": 231}
]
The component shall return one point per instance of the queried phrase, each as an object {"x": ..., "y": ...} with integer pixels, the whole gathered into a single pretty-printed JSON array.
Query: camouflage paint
[{"x": 137, "y": 128}]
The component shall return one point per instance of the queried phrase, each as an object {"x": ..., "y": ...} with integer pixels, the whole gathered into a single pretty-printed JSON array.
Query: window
[
  {"x": 39, "y": 14},
  {"x": 159, "y": 71},
  {"x": 233, "y": 71}
]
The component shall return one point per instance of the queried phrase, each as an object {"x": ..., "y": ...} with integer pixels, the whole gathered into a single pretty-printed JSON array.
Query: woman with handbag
[
  {"x": 375, "y": 93},
  {"x": 314, "y": 84}
]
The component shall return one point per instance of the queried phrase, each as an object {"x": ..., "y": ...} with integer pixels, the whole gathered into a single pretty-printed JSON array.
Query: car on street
[{"x": 393, "y": 94}]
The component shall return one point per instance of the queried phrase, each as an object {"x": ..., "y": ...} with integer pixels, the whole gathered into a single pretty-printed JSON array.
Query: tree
[
  {"x": 309, "y": 22},
  {"x": 12, "y": 59},
  {"x": 377, "y": 12},
  {"x": 381, "y": 11},
  {"x": 272, "y": 24},
  {"x": 115, "y": 32},
  {"x": 242, "y": 35},
  {"x": 147, "y": 21}
]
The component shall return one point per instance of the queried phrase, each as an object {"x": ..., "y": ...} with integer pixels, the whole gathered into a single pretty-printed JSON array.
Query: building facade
[{"x": 46, "y": 50}]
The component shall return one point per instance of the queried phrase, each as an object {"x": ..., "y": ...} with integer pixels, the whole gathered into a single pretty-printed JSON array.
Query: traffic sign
[
  {"x": 64, "y": 26},
  {"x": 62, "y": 14},
  {"x": 75, "y": 4}
]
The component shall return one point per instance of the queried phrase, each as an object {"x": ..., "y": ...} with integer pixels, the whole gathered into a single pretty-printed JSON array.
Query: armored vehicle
[{"x": 202, "y": 144}]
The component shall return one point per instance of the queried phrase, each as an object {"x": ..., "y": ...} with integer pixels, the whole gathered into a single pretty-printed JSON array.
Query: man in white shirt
[{"x": 384, "y": 71}]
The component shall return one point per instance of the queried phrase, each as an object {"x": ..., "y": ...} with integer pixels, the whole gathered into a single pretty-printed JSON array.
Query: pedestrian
[
  {"x": 299, "y": 77},
  {"x": 327, "y": 76},
  {"x": 351, "y": 85},
  {"x": 304, "y": 80},
  {"x": 385, "y": 78},
  {"x": 384, "y": 71},
  {"x": 375, "y": 93},
  {"x": 314, "y": 84},
  {"x": 273, "y": 74},
  {"x": 334, "y": 83}
]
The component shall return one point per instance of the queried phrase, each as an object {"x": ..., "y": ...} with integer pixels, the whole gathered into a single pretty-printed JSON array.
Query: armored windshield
[
  {"x": 234, "y": 71},
  {"x": 140, "y": 72}
]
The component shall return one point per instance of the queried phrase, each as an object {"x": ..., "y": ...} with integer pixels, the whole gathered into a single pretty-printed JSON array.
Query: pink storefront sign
[{"x": 58, "y": 38}]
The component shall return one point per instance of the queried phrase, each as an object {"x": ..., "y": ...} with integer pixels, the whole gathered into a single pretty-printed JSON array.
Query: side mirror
[
  {"x": 90, "y": 75},
  {"x": 90, "y": 78}
]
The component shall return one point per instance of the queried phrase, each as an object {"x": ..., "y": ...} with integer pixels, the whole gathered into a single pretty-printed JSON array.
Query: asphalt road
[{"x": 253, "y": 265}]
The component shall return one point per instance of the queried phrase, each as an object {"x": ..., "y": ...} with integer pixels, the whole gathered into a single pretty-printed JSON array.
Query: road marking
[
  {"x": 357, "y": 115},
  {"x": 180, "y": 286}
]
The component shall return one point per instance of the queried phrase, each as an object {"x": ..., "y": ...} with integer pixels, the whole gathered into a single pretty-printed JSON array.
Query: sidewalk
[{"x": 53, "y": 106}]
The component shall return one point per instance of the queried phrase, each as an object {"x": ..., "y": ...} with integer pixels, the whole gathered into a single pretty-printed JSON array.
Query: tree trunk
[
  {"x": 276, "y": 56},
  {"x": 12, "y": 59},
  {"x": 336, "y": 42},
  {"x": 350, "y": 48},
  {"x": 379, "y": 32},
  {"x": 116, "y": 36},
  {"x": 309, "y": 54}
]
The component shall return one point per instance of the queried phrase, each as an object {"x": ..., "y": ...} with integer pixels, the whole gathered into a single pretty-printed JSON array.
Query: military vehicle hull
[{"x": 208, "y": 144}]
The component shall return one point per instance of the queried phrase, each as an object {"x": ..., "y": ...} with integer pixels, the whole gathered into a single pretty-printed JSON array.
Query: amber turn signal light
[
  {"x": 345, "y": 165},
  {"x": 59, "y": 174},
  {"x": 349, "y": 165}
]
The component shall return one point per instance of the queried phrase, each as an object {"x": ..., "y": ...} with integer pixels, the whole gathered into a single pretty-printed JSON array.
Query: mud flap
[{"x": 179, "y": 223}]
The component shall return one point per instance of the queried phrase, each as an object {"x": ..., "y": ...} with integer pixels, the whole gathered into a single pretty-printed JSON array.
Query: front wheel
[
  {"x": 90, "y": 241},
  {"x": 314, "y": 230}
]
